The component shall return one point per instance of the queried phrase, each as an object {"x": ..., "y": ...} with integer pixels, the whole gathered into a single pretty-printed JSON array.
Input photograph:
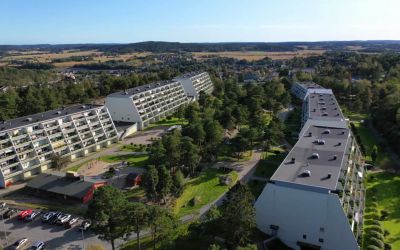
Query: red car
[{"x": 24, "y": 213}]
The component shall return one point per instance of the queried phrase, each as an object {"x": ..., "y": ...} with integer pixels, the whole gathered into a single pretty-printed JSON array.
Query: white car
[
  {"x": 19, "y": 244},
  {"x": 63, "y": 219}
]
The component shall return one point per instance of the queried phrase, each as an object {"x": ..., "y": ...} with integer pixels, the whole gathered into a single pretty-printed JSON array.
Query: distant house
[
  {"x": 65, "y": 186},
  {"x": 133, "y": 179}
]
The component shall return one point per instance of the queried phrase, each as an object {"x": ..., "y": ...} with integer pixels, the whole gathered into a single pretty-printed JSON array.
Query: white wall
[
  {"x": 122, "y": 109},
  {"x": 299, "y": 212}
]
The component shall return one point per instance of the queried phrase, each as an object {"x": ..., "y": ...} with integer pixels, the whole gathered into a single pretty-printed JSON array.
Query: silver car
[{"x": 19, "y": 244}]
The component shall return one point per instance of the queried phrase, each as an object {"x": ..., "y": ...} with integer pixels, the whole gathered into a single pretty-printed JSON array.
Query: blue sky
[{"x": 97, "y": 21}]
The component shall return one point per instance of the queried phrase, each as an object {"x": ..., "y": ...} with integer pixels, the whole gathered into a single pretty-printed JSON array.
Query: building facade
[
  {"x": 315, "y": 199},
  {"x": 146, "y": 104},
  {"x": 27, "y": 144},
  {"x": 196, "y": 82},
  {"x": 302, "y": 89}
]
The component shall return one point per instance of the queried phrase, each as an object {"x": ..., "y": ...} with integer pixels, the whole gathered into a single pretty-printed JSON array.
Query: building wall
[
  {"x": 300, "y": 212},
  {"x": 147, "y": 106},
  {"x": 122, "y": 109},
  {"x": 27, "y": 150}
]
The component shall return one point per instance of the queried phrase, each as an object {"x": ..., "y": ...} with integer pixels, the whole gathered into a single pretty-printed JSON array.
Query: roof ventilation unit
[
  {"x": 315, "y": 156},
  {"x": 329, "y": 176},
  {"x": 327, "y": 131},
  {"x": 310, "y": 134},
  {"x": 293, "y": 160},
  {"x": 58, "y": 112},
  {"x": 334, "y": 157},
  {"x": 320, "y": 142},
  {"x": 305, "y": 173},
  {"x": 29, "y": 119},
  {"x": 83, "y": 107}
]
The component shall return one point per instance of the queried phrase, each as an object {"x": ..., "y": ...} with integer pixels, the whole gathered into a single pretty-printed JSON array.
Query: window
[
  {"x": 321, "y": 229},
  {"x": 304, "y": 236},
  {"x": 321, "y": 240}
]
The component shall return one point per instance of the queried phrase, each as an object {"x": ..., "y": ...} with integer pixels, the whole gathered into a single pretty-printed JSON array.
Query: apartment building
[
  {"x": 302, "y": 89},
  {"x": 146, "y": 104},
  {"x": 28, "y": 143},
  {"x": 315, "y": 199},
  {"x": 196, "y": 82}
]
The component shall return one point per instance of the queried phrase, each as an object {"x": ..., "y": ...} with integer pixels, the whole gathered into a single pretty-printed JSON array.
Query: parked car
[
  {"x": 38, "y": 245},
  {"x": 10, "y": 213},
  {"x": 3, "y": 205},
  {"x": 85, "y": 225},
  {"x": 4, "y": 211},
  {"x": 71, "y": 222},
  {"x": 19, "y": 244},
  {"x": 32, "y": 216},
  {"x": 55, "y": 217},
  {"x": 23, "y": 214},
  {"x": 47, "y": 216},
  {"x": 63, "y": 219}
]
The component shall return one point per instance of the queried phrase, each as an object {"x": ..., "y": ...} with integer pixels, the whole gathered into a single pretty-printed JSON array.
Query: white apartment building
[
  {"x": 28, "y": 143},
  {"x": 302, "y": 89},
  {"x": 196, "y": 82},
  {"x": 315, "y": 199},
  {"x": 146, "y": 104}
]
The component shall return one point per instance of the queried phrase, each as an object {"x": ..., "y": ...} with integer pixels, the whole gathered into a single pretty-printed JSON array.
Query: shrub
[
  {"x": 388, "y": 246},
  {"x": 370, "y": 247},
  {"x": 384, "y": 214},
  {"x": 374, "y": 234},
  {"x": 386, "y": 233},
  {"x": 375, "y": 222},
  {"x": 195, "y": 201},
  {"x": 374, "y": 228},
  {"x": 376, "y": 242}
]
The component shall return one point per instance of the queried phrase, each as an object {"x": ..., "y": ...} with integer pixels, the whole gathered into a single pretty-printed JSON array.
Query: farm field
[
  {"x": 258, "y": 55},
  {"x": 47, "y": 57}
]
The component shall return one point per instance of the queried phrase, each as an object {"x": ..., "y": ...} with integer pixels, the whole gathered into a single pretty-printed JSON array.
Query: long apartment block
[
  {"x": 27, "y": 144},
  {"x": 196, "y": 82},
  {"x": 315, "y": 199},
  {"x": 146, "y": 104},
  {"x": 149, "y": 103}
]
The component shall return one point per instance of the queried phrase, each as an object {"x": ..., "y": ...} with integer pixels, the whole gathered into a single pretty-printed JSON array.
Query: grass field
[
  {"x": 133, "y": 160},
  {"x": 258, "y": 55},
  {"x": 204, "y": 189},
  {"x": 168, "y": 122},
  {"x": 385, "y": 187}
]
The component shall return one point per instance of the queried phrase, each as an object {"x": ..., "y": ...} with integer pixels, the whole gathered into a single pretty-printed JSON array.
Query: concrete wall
[
  {"x": 122, "y": 109},
  {"x": 298, "y": 212}
]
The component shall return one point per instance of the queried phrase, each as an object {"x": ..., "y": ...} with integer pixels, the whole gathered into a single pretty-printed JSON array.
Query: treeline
[
  {"x": 364, "y": 83},
  {"x": 72, "y": 59},
  {"x": 42, "y": 97},
  {"x": 10, "y": 76}
]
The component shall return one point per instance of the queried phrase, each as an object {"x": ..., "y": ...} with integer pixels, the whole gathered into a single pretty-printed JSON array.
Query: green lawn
[
  {"x": 133, "y": 160},
  {"x": 369, "y": 140},
  {"x": 132, "y": 148},
  {"x": 135, "y": 193},
  {"x": 168, "y": 122},
  {"x": 383, "y": 193},
  {"x": 204, "y": 188},
  {"x": 267, "y": 166}
]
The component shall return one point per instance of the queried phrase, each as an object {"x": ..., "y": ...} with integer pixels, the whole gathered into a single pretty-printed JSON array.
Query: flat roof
[
  {"x": 310, "y": 85},
  {"x": 60, "y": 184},
  {"x": 331, "y": 150},
  {"x": 190, "y": 74},
  {"x": 140, "y": 89},
  {"x": 323, "y": 106},
  {"x": 48, "y": 115}
]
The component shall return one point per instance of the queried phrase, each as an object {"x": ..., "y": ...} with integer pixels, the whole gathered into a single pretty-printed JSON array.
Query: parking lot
[{"x": 54, "y": 236}]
